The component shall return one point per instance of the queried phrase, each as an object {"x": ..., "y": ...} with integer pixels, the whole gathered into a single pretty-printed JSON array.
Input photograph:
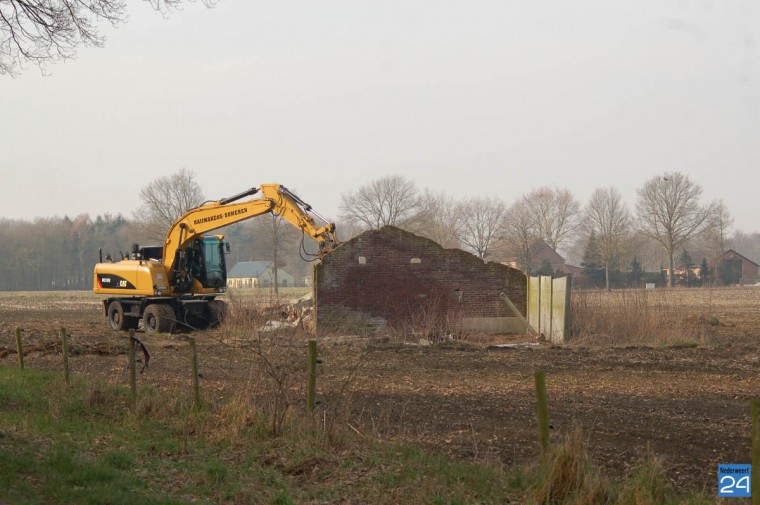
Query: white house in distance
[{"x": 257, "y": 274}]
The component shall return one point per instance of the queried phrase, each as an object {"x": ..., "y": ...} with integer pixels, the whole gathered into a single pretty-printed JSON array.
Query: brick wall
[{"x": 396, "y": 277}]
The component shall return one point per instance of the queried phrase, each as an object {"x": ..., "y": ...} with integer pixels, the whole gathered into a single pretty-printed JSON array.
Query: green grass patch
[{"x": 88, "y": 443}]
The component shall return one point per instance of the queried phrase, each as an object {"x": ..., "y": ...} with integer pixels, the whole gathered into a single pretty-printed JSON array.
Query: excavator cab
[
  {"x": 213, "y": 271},
  {"x": 204, "y": 261}
]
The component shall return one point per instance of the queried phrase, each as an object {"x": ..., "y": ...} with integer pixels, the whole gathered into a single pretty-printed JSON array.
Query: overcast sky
[{"x": 471, "y": 98}]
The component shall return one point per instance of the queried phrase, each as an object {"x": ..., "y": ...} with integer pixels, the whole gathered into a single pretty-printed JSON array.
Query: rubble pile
[{"x": 298, "y": 313}]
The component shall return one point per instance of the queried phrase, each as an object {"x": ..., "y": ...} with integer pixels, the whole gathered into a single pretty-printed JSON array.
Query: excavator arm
[{"x": 275, "y": 199}]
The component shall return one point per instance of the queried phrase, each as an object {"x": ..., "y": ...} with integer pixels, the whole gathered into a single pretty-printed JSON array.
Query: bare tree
[
  {"x": 390, "y": 200},
  {"x": 43, "y": 31},
  {"x": 520, "y": 235},
  {"x": 669, "y": 212},
  {"x": 609, "y": 219},
  {"x": 439, "y": 218},
  {"x": 482, "y": 223},
  {"x": 716, "y": 231},
  {"x": 555, "y": 213},
  {"x": 165, "y": 200}
]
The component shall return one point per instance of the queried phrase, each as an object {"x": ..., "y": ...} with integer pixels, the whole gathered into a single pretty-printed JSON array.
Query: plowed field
[{"x": 688, "y": 403}]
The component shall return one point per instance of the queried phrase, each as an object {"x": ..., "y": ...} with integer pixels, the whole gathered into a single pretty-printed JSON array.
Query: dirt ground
[{"x": 688, "y": 404}]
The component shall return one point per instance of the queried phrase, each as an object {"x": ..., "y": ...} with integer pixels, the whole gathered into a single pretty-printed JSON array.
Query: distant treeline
[
  {"x": 50, "y": 254},
  {"x": 57, "y": 253},
  {"x": 60, "y": 253}
]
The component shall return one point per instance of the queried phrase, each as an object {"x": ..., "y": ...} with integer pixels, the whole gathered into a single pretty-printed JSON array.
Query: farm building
[
  {"x": 543, "y": 254},
  {"x": 396, "y": 278},
  {"x": 738, "y": 269},
  {"x": 257, "y": 274}
]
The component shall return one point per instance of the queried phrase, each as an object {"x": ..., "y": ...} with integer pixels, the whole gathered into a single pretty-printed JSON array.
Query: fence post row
[{"x": 311, "y": 380}]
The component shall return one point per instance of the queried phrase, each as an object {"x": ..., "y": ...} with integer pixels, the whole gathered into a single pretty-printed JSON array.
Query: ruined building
[{"x": 396, "y": 278}]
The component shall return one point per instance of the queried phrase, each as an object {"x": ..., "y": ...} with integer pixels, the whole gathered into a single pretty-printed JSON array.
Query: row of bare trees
[
  {"x": 58, "y": 253},
  {"x": 668, "y": 212},
  {"x": 476, "y": 223}
]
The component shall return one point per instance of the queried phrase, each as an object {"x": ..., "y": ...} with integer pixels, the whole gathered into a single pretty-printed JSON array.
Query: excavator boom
[{"x": 275, "y": 198}]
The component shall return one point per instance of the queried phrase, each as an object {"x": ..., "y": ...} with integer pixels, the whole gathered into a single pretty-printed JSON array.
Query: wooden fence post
[
  {"x": 755, "y": 410},
  {"x": 19, "y": 349},
  {"x": 194, "y": 366},
  {"x": 542, "y": 410},
  {"x": 132, "y": 366},
  {"x": 311, "y": 377},
  {"x": 65, "y": 349}
]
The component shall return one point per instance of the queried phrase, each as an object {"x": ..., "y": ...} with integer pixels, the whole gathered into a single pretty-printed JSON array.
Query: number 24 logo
[{"x": 728, "y": 484}]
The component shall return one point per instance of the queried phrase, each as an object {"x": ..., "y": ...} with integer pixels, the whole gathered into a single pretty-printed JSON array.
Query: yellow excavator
[{"x": 178, "y": 283}]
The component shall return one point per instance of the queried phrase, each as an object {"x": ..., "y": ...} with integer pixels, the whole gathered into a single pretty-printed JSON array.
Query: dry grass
[
  {"x": 435, "y": 319},
  {"x": 17, "y": 301},
  {"x": 567, "y": 476},
  {"x": 235, "y": 419},
  {"x": 274, "y": 346},
  {"x": 647, "y": 484},
  {"x": 643, "y": 317}
]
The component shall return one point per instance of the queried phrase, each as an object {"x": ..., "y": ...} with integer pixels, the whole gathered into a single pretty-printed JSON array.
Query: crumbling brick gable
[{"x": 397, "y": 276}]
